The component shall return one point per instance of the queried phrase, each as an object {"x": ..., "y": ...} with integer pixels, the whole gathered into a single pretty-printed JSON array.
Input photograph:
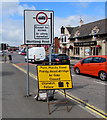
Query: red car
[
  {"x": 23, "y": 53},
  {"x": 11, "y": 51},
  {"x": 93, "y": 65}
]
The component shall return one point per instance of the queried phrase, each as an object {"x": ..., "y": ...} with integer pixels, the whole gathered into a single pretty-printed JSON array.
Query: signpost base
[
  {"x": 50, "y": 103},
  {"x": 28, "y": 95}
]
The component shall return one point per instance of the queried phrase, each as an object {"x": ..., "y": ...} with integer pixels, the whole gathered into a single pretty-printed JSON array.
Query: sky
[{"x": 65, "y": 14}]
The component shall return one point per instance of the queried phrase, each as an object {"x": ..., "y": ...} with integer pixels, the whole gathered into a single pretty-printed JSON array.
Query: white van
[{"x": 36, "y": 54}]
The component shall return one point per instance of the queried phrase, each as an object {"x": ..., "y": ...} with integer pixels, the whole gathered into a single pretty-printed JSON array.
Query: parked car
[
  {"x": 1, "y": 53},
  {"x": 23, "y": 53},
  {"x": 19, "y": 52},
  {"x": 11, "y": 52},
  {"x": 62, "y": 59},
  {"x": 93, "y": 65}
]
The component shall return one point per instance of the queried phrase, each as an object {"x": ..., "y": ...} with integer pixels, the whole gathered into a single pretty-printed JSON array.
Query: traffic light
[{"x": 3, "y": 46}]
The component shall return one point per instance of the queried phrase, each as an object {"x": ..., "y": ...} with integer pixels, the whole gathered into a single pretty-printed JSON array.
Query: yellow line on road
[
  {"x": 23, "y": 70},
  {"x": 86, "y": 105}
]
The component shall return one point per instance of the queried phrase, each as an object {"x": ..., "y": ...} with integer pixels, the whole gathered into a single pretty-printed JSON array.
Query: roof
[
  {"x": 70, "y": 29},
  {"x": 86, "y": 29}
]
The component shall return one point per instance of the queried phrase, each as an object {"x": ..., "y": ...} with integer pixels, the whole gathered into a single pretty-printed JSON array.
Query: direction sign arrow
[{"x": 67, "y": 84}]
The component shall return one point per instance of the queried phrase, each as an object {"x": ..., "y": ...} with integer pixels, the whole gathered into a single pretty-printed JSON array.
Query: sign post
[
  {"x": 38, "y": 30},
  {"x": 28, "y": 89}
]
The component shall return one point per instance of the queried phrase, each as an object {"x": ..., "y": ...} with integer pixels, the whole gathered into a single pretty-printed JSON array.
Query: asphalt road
[
  {"x": 15, "y": 105},
  {"x": 86, "y": 88}
]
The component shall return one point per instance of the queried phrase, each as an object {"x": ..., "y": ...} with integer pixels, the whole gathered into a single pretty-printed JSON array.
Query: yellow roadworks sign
[{"x": 54, "y": 77}]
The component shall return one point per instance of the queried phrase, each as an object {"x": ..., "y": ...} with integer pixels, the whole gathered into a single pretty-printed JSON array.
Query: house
[{"x": 84, "y": 40}]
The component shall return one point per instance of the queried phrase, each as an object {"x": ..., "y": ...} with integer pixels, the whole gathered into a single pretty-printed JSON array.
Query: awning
[{"x": 98, "y": 46}]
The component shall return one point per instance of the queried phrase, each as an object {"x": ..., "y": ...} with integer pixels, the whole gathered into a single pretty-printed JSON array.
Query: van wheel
[
  {"x": 77, "y": 71},
  {"x": 103, "y": 75}
]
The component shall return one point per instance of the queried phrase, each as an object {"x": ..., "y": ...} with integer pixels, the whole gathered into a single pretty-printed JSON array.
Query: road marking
[
  {"x": 23, "y": 64},
  {"x": 3, "y": 62},
  {"x": 23, "y": 70},
  {"x": 77, "y": 100},
  {"x": 86, "y": 105},
  {"x": 100, "y": 83}
]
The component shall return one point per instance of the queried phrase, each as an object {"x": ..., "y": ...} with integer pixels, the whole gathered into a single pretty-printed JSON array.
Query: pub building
[{"x": 84, "y": 40}]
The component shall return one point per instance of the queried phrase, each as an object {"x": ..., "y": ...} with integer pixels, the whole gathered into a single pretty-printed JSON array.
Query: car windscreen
[
  {"x": 63, "y": 57},
  {"x": 52, "y": 56},
  {"x": 23, "y": 51}
]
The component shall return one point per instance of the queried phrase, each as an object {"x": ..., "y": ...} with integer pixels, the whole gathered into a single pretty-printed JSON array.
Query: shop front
[{"x": 83, "y": 49}]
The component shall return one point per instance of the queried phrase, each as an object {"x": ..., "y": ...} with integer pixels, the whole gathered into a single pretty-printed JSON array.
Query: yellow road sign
[{"x": 54, "y": 77}]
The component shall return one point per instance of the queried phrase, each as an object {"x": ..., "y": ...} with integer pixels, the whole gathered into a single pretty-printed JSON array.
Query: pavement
[{"x": 16, "y": 105}]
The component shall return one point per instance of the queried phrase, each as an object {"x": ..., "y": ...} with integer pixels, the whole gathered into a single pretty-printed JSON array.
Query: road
[
  {"x": 87, "y": 91},
  {"x": 87, "y": 88}
]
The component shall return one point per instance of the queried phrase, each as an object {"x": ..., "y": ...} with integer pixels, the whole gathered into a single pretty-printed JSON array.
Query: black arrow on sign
[{"x": 67, "y": 84}]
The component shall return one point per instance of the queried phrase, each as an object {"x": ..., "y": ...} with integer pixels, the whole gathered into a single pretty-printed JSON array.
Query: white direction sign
[{"x": 38, "y": 27}]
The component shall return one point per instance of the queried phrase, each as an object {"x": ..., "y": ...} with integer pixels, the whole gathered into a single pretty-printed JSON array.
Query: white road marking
[{"x": 100, "y": 83}]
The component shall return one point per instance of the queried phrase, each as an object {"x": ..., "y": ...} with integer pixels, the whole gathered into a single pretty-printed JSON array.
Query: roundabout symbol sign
[{"x": 41, "y": 18}]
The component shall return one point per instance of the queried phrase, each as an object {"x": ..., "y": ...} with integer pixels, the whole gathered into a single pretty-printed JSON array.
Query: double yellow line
[{"x": 85, "y": 104}]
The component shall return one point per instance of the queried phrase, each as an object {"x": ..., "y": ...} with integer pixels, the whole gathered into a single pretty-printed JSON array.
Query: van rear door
[{"x": 39, "y": 54}]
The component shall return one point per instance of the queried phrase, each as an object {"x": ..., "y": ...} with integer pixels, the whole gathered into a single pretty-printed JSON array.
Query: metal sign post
[
  {"x": 38, "y": 30},
  {"x": 52, "y": 33},
  {"x": 27, "y": 88}
]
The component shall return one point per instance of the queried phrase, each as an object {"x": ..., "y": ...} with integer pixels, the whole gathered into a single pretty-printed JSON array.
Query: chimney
[
  {"x": 62, "y": 30},
  {"x": 81, "y": 22}
]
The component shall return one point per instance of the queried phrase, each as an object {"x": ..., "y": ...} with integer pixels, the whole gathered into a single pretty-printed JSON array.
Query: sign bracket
[{"x": 50, "y": 103}]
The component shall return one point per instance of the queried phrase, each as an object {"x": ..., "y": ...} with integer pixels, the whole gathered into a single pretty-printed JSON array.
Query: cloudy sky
[{"x": 65, "y": 13}]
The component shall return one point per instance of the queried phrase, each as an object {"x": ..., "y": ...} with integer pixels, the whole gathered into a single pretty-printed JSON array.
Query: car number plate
[
  {"x": 63, "y": 60},
  {"x": 37, "y": 59}
]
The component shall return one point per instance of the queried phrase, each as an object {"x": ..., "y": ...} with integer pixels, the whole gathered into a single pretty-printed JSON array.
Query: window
[
  {"x": 95, "y": 30},
  {"x": 96, "y": 60},
  {"x": 77, "y": 51},
  {"x": 88, "y": 60},
  {"x": 63, "y": 39},
  {"x": 102, "y": 60},
  {"x": 77, "y": 33},
  {"x": 99, "y": 60},
  {"x": 95, "y": 51}
]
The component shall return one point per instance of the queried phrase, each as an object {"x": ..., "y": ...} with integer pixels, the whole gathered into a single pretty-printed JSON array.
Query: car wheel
[
  {"x": 103, "y": 75},
  {"x": 77, "y": 70}
]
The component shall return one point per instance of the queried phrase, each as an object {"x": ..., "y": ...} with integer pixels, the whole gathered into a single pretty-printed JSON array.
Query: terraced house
[{"x": 84, "y": 40}]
